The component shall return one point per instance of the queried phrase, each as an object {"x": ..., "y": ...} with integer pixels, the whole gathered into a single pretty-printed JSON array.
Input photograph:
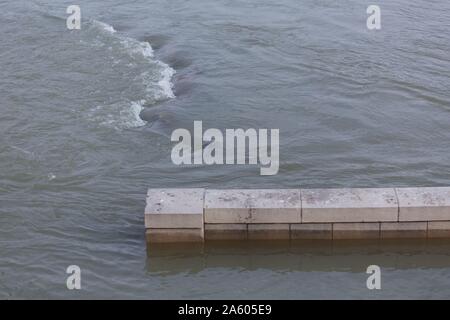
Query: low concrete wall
[{"x": 196, "y": 215}]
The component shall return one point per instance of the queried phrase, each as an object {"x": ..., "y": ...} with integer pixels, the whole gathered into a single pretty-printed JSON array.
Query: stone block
[
  {"x": 439, "y": 229},
  {"x": 174, "y": 235},
  {"x": 397, "y": 230},
  {"x": 311, "y": 231},
  {"x": 424, "y": 204},
  {"x": 174, "y": 208},
  {"x": 253, "y": 206},
  {"x": 225, "y": 231},
  {"x": 349, "y": 205},
  {"x": 268, "y": 232},
  {"x": 367, "y": 230}
]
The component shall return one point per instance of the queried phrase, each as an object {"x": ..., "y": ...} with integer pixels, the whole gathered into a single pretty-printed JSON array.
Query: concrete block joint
[{"x": 197, "y": 215}]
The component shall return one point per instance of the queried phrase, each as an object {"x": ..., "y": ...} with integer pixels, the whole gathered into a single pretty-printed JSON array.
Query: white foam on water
[
  {"x": 165, "y": 83},
  {"x": 157, "y": 89},
  {"x": 136, "y": 47},
  {"x": 136, "y": 109},
  {"x": 106, "y": 27},
  {"x": 119, "y": 115}
]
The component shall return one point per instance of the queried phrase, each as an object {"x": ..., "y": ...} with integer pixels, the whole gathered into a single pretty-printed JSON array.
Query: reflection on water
[
  {"x": 301, "y": 270},
  {"x": 327, "y": 256}
]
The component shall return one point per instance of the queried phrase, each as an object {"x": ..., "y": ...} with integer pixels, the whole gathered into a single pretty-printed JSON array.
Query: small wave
[
  {"x": 106, "y": 27},
  {"x": 119, "y": 115},
  {"x": 156, "y": 78},
  {"x": 145, "y": 49},
  {"x": 136, "y": 109},
  {"x": 165, "y": 83}
]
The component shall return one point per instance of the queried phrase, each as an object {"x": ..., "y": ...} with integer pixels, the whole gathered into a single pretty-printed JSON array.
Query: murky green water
[{"x": 85, "y": 120}]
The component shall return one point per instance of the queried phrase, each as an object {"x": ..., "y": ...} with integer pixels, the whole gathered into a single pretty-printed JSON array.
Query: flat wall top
[
  {"x": 253, "y": 198},
  {"x": 349, "y": 198},
  {"x": 424, "y": 197},
  {"x": 175, "y": 201}
]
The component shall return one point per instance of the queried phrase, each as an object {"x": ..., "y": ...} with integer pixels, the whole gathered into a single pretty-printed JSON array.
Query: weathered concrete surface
[
  {"x": 192, "y": 215},
  {"x": 439, "y": 229},
  {"x": 403, "y": 230},
  {"x": 367, "y": 230},
  {"x": 226, "y": 231},
  {"x": 174, "y": 208},
  {"x": 311, "y": 231},
  {"x": 268, "y": 232},
  {"x": 253, "y": 206},
  {"x": 349, "y": 205},
  {"x": 424, "y": 204},
  {"x": 174, "y": 235}
]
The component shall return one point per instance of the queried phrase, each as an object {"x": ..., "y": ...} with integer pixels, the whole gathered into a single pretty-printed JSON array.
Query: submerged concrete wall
[{"x": 196, "y": 215}]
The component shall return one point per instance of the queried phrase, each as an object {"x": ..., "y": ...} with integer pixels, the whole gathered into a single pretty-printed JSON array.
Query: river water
[{"x": 86, "y": 117}]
